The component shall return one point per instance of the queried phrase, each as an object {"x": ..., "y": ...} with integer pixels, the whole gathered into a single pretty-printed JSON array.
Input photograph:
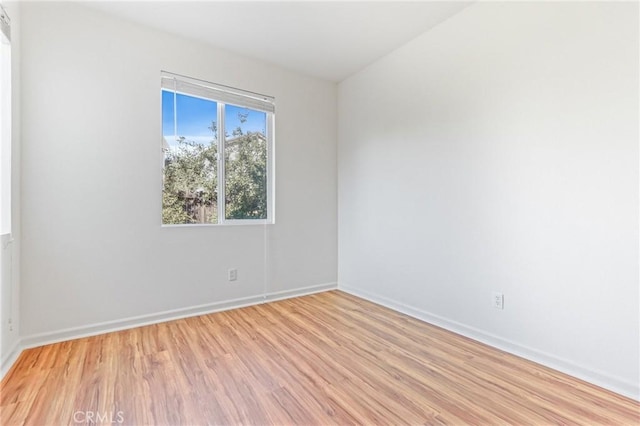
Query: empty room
[{"x": 319, "y": 213}]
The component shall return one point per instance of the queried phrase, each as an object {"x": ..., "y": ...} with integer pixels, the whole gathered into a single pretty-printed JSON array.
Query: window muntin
[{"x": 195, "y": 128}]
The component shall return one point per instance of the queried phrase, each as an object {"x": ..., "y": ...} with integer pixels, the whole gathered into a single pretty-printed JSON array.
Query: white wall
[
  {"x": 499, "y": 151},
  {"x": 10, "y": 250},
  {"x": 93, "y": 249}
]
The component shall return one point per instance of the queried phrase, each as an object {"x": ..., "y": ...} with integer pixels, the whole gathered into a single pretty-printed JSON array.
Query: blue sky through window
[{"x": 195, "y": 116}]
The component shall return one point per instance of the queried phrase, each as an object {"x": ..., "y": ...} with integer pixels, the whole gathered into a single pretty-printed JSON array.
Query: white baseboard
[
  {"x": 41, "y": 339},
  {"x": 614, "y": 384},
  {"x": 288, "y": 294},
  {"x": 10, "y": 358}
]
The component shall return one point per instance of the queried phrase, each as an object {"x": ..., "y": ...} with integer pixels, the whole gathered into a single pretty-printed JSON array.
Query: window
[
  {"x": 5, "y": 124},
  {"x": 200, "y": 120}
]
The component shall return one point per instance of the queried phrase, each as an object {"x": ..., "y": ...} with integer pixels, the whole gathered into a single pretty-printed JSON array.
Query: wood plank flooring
[{"x": 324, "y": 359}]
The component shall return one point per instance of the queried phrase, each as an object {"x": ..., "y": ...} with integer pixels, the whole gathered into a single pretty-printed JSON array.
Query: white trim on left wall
[
  {"x": 41, "y": 339},
  {"x": 10, "y": 358}
]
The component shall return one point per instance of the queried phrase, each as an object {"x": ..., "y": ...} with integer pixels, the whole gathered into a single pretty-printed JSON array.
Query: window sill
[{"x": 226, "y": 223}]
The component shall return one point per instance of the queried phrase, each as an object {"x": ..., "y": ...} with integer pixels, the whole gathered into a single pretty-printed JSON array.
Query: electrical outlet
[
  {"x": 498, "y": 300},
  {"x": 232, "y": 274}
]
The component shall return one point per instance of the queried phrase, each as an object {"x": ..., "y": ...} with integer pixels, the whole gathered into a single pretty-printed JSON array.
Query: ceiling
[{"x": 326, "y": 39}]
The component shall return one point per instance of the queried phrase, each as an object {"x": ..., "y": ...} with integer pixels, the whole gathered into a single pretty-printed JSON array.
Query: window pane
[
  {"x": 189, "y": 131},
  {"x": 245, "y": 163}
]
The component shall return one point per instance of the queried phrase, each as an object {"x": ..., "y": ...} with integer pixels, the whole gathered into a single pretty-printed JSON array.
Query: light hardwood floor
[{"x": 329, "y": 358}]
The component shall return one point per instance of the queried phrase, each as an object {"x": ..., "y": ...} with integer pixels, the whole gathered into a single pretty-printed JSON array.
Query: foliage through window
[{"x": 199, "y": 121}]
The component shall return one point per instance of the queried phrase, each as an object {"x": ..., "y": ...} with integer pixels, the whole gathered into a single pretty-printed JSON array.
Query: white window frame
[
  {"x": 225, "y": 95},
  {"x": 5, "y": 123}
]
